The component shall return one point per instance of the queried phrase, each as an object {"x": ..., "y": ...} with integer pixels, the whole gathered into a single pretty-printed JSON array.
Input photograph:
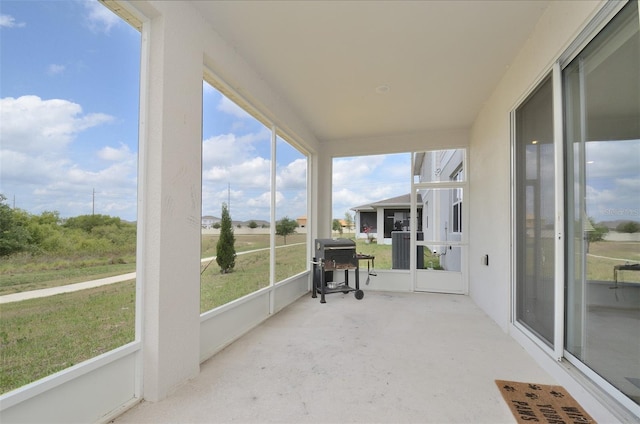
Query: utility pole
[
  {"x": 229, "y": 197},
  {"x": 93, "y": 203}
]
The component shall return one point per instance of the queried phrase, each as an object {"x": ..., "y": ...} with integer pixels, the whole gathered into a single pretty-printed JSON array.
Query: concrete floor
[{"x": 389, "y": 358}]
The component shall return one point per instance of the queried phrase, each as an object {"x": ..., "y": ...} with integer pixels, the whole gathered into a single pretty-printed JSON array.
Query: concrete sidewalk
[{"x": 34, "y": 294}]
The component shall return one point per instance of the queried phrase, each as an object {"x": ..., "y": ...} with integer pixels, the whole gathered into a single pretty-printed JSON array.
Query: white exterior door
[{"x": 439, "y": 251}]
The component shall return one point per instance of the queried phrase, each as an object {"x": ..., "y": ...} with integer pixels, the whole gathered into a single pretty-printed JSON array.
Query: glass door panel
[
  {"x": 534, "y": 213},
  {"x": 602, "y": 103}
]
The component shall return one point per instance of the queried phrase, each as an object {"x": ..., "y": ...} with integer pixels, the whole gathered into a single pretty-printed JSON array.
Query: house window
[
  {"x": 368, "y": 222},
  {"x": 456, "y": 202}
]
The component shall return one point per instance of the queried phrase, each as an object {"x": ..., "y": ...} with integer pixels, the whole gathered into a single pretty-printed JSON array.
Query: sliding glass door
[
  {"x": 602, "y": 142},
  {"x": 534, "y": 212},
  {"x": 576, "y": 155}
]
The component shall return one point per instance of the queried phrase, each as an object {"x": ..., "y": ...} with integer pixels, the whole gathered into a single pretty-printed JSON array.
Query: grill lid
[{"x": 334, "y": 244}]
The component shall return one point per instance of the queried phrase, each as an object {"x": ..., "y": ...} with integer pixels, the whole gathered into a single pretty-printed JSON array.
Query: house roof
[
  {"x": 403, "y": 201},
  {"x": 354, "y": 70}
]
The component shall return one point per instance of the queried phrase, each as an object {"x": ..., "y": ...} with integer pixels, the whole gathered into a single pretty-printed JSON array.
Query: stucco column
[
  {"x": 170, "y": 202},
  {"x": 380, "y": 225},
  {"x": 323, "y": 194}
]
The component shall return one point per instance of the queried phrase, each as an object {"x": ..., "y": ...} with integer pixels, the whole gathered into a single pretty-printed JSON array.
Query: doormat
[{"x": 542, "y": 403}]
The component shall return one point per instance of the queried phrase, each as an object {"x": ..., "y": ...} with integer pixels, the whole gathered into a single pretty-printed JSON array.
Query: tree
[
  {"x": 225, "y": 249},
  {"x": 14, "y": 235},
  {"x": 337, "y": 226},
  {"x": 253, "y": 224},
  {"x": 286, "y": 226},
  {"x": 596, "y": 232},
  {"x": 348, "y": 220},
  {"x": 628, "y": 227}
]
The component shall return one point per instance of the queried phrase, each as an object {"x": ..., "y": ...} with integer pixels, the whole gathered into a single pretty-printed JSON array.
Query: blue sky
[
  {"x": 69, "y": 92},
  {"x": 69, "y": 88},
  {"x": 366, "y": 179}
]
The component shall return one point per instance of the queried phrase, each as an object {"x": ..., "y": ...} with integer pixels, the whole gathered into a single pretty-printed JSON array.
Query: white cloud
[
  {"x": 37, "y": 138},
  {"x": 22, "y": 169},
  {"x": 219, "y": 150},
  {"x": 612, "y": 158},
  {"x": 119, "y": 173},
  {"x": 261, "y": 201},
  {"x": 112, "y": 154},
  {"x": 365, "y": 179},
  {"x": 8, "y": 21},
  {"x": 349, "y": 199},
  {"x": 99, "y": 18},
  {"x": 252, "y": 173},
  {"x": 41, "y": 183},
  {"x": 229, "y": 158},
  {"x": 354, "y": 172},
  {"x": 293, "y": 176},
  {"x": 620, "y": 201},
  {"x": 613, "y": 178},
  {"x": 225, "y": 149},
  {"x": 227, "y": 106},
  {"x": 33, "y": 125},
  {"x": 246, "y": 182},
  {"x": 54, "y": 69}
]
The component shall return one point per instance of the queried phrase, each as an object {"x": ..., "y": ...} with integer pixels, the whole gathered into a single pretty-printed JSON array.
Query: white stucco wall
[{"x": 489, "y": 155}]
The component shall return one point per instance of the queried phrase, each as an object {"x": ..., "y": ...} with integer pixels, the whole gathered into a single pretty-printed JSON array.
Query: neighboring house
[
  {"x": 382, "y": 217},
  {"x": 208, "y": 221},
  {"x": 302, "y": 221}
]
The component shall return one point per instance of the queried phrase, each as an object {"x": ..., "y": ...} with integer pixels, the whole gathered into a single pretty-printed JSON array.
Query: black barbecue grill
[{"x": 331, "y": 256}]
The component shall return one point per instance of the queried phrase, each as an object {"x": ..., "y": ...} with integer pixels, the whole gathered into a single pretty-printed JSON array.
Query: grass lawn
[
  {"x": 604, "y": 255},
  {"x": 383, "y": 254},
  {"x": 39, "y": 337},
  {"x": 251, "y": 273}
]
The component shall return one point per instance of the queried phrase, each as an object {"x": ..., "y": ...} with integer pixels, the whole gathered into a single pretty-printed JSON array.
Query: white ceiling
[{"x": 439, "y": 59}]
